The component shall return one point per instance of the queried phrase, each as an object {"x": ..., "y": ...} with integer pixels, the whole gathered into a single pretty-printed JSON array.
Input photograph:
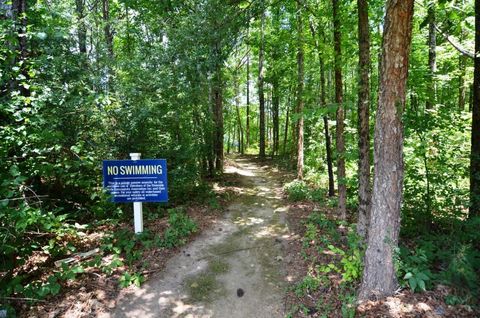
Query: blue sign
[{"x": 136, "y": 180}]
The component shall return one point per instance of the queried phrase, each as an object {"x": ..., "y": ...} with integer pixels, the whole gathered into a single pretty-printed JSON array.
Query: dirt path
[{"x": 231, "y": 270}]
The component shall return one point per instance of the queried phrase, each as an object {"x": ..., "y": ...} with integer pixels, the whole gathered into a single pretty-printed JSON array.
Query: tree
[
  {"x": 300, "y": 78},
  {"x": 432, "y": 55},
  {"x": 475, "y": 150},
  {"x": 107, "y": 27},
  {"x": 379, "y": 277},
  {"x": 261, "y": 93},
  {"x": 323, "y": 102},
  {"x": 217, "y": 94},
  {"x": 247, "y": 122},
  {"x": 82, "y": 30},
  {"x": 237, "y": 108},
  {"x": 342, "y": 187},
  {"x": 364, "y": 195}
]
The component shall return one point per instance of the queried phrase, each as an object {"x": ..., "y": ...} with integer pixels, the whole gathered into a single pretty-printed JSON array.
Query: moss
[
  {"x": 203, "y": 287},
  {"x": 218, "y": 266}
]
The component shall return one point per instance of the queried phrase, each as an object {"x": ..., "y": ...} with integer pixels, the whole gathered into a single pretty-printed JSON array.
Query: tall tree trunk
[
  {"x": 300, "y": 85},
  {"x": 342, "y": 188},
  {"x": 275, "y": 116},
  {"x": 475, "y": 151},
  {"x": 323, "y": 103},
  {"x": 247, "y": 123},
  {"x": 285, "y": 135},
  {"x": 218, "y": 118},
  {"x": 379, "y": 279},
  {"x": 229, "y": 139},
  {"x": 432, "y": 56},
  {"x": 107, "y": 28},
  {"x": 239, "y": 118},
  {"x": 82, "y": 29},
  {"x": 261, "y": 94},
  {"x": 328, "y": 141},
  {"x": 364, "y": 195}
]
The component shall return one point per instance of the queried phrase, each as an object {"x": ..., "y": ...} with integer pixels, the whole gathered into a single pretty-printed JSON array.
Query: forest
[{"x": 371, "y": 108}]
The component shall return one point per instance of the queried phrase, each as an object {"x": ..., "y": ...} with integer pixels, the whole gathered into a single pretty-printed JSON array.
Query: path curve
[{"x": 233, "y": 269}]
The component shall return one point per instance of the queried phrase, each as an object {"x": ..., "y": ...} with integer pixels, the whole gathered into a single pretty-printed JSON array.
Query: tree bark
[
  {"x": 364, "y": 195},
  {"x": 217, "y": 96},
  {"x": 323, "y": 103},
  {"x": 432, "y": 56},
  {"x": 107, "y": 28},
  {"x": 275, "y": 116},
  {"x": 475, "y": 150},
  {"x": 261, "y": 93},
  {"x": 82, "y": 29},
  {"x": 247, "y": 123},
  {"x": 379, "y": 279},
  {"x": 342, "y": 188},
  {"x": 285, "y": 135},
  {"x": 239, "y": 118},
  {"x": 300, "y": 65},
  {"x": 218, "y": 133}
]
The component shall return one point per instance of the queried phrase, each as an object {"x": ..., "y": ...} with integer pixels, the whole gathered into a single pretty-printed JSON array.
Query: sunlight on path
[{"x": 232, "y": 270}]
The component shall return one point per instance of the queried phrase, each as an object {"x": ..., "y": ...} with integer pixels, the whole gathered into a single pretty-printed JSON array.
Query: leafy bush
[
  {"x": 297, "y": 190},
  {"x": 306, "y": 286},
  {"x": 181, "y": 226},
  {"x": 413, "y": 269}
]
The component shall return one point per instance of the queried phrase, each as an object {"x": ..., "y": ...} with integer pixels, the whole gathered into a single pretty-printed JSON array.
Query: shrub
[{"x": 297, "y": 190}]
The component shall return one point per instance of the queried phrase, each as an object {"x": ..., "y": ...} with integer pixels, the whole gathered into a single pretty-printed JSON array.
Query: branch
[
  {"x": 455, "y": 45},
  {"x": 24, "y": 198},
  {"x": 22, "y": 299}
]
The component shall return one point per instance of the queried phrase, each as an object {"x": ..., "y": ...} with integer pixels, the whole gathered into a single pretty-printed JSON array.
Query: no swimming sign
[{"x": 136, "y": 180}]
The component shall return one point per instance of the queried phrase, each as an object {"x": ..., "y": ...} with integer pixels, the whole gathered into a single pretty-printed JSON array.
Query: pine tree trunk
[
  {"x": 239, "y": 118},
  {"x": 82, "y": 30},
  {"x": 285, "y": 135},
  {"x": 218, "y": 134},
  {"x": 106, "y": 28},
  {"x": 247, "y": 123},
  {"x": 261, "y": 94},
  {"x": 323, "y": 103},
  {"x": 475, "y": 151},
  {"x": 379, "y": 278},
  {"x": 342, "y": 188},
  {"x": 364, "y": 195},
  {"x": 275, "y": 116},
  {"x": 328, "y": 140},
  {"x": 300, "y": 84},
  {"x": 432, "y": 56}
]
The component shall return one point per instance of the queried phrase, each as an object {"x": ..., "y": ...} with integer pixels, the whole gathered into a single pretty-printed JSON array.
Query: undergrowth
[
  {"x": 334, "y": 254},
  {"x": 444, "y": 252},
  {"x": 120, "y": 254}
]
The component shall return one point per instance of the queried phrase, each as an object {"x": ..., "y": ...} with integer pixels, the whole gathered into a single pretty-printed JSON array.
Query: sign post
[
  {"x": 136, "y": 181},
  {"x": 137, "y": 206}
]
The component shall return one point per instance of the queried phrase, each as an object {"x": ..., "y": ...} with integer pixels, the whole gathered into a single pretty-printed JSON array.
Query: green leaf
[
  {"x": 421, "y": 284},
  {"x": 422, "y": 276},
  {"x": 413, "y": 283}
]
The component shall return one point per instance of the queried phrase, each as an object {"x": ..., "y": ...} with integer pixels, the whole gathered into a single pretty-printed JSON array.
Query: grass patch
[
  {"x": 218, "y": 266},
  {"x": 203, "y": 287}
]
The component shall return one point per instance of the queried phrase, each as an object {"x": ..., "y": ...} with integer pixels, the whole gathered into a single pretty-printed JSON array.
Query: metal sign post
[{"x": 137, "y": 206}]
